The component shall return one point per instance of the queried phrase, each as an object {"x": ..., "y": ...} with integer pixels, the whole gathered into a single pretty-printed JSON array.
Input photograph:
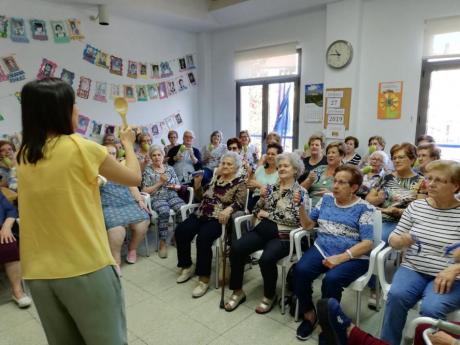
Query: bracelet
[{"x": 348, "y": 251}]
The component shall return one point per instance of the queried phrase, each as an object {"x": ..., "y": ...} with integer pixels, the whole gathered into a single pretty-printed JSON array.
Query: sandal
[
  {"x": 234, "y": 301},
  {"x": 266, "y": 305}
]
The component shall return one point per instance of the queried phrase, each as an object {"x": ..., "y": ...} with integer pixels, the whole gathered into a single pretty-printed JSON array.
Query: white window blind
[
  {"x": 442, "y": 37},
  {"x": 272, "y": 61}
]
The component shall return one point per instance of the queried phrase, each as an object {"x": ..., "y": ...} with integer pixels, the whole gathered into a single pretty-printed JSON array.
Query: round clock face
[{"x": 339, "y": 54}]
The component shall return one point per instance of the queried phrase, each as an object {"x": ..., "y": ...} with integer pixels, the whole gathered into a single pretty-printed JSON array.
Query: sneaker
[
  {"x": 200, "y": 289},
  {"x": 305, "y": 329},
  {"x": 185, "y": 274},
  {"x": 131, "y": 258},
  {"x": 22, "y": 302},
  {"x": 333, "y": 321}
]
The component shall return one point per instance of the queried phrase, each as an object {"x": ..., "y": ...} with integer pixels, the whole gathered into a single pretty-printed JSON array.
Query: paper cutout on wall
[
  {"x": 18, "y": 30},
  {"x": 181, "y": 83},
  {"x": 60, "y": 34},
  {"x": 84, "y": 87},
  {"x": 101, "y": 92},
  {"x": 129, "y": 93},
  {"x": 47, "y": 69},
  {"x": 190, "y": 62},
  {"x": 165, "y": 69},
  {"x": 115, "y": 91},
  {"x": 155, "y": 71},
  {"x": 38, "y": 29},
  {"x": 171, "y": 88},
  {"x": 143, "y": 70},
  {"x": 67, "y": 76},
  {"x": 141, "y": 91},
  {"x": 3, "y": 27},
  {"x": 102, "y": 59},
  {"x": 152, "y": 90},
  {"x": 89, "y": 53},
  {"x": 116, "y": 65},
  {"x": 162, "y": 90},
  {"x": 14, "y": 72},
  {"x": 182, "y": 65},
  {"x": 83, "y": 123},
  {"x": 74, "y": 29},
  {"x": 132, "y": 69}
]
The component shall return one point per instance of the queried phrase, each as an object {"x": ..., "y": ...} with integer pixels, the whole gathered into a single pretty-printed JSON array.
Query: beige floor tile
[
  {"x": 11, "y": 316},
  {"x": 28, "y": 333},
  {"x": 133, "y": 294}
]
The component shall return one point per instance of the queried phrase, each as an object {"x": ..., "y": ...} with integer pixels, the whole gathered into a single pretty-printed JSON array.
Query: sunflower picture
[{"x": 389, "y": 100}]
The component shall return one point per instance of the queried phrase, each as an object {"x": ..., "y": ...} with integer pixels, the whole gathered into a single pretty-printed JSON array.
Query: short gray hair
[
  {"x": 383, "y": 155},
  {"x": 294, "y": 159},
  {"x": 154, "y": 148},
  {"x": 233, "y": 155}
]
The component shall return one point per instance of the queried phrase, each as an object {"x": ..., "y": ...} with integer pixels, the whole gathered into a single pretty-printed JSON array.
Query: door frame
[
  {"x": 265, "y": 82},
  {"x": 425, "y": 81}
]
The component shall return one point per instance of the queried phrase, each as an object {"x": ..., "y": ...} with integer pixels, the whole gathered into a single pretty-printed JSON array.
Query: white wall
[
  {"x": 307, "y": 29},
  {"x": 387, "y": 36},
  {"x": 124, "y": 38}
]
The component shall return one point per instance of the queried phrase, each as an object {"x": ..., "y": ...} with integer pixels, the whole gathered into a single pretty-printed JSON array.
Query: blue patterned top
[
  {"x": 340, "y": 228},
  {"x": 150, "y": 177}
]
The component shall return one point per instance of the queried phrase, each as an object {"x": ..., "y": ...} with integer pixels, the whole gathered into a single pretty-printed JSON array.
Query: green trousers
[{"x": 83, "y": 310}]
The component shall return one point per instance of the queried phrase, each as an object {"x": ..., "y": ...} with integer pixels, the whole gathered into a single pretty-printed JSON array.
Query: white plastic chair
[
  {"x": 218, "y": 244},
  {"x": 284, "y": 262},
  {"x": 154, "y": 217},
  {"x": 437, "y": 325},
  {"x": 359, "y": 284},
  {"x": 410, "y": 328}
]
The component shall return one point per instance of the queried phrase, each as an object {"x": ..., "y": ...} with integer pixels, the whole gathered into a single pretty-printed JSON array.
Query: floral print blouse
[
  {"x": 280, "y": 206},
  {"x": 218, "y": 195}
]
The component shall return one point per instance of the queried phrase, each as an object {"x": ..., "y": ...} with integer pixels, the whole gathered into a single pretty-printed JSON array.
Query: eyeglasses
[
  {"x": 341, "y": 182},
  {"x": 435, "y": 180},
  {"x": 395, "y": 158}
]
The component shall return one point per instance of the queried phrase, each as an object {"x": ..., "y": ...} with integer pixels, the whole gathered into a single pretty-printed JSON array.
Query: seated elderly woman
[
  {"x": 143, "y": 141},
  {"x": 277, "y": 213},
  {"x": 320, "y": 180},
  {"x": 351, "y": 157},
  {"x": 9, "y": 252},
  {"x": 161, "y": 182},
  {"x": 213, "y": 151},
  {"x": 8, "y": 167},
  {"x": 185, "y": 159},
  {"x": 373, "y": 173},
  {"x": 428, "y": 228},
  {"x": 245, "y": 170},
  {"x": 249, "y": 152},
  {"x": 345, "y": 238},
  {"x": 172, "y": 137},
  {"x": 396, "y": 189},
  {"x": 224, "y": 195},
  {"x": 427, "y": 153},
  {"x": 264, "y": 175},
  {"x": 272, "y": 138},
  {"x": 123, "y": 206},
  {"x": 316, "y": 159}
]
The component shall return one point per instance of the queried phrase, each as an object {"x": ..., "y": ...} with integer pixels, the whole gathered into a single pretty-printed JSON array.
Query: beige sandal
[
  {"x": 234, "y": 301},
  {"x": 266, "y": 305}
]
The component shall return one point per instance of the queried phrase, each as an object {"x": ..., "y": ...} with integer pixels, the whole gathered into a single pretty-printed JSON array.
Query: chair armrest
[
  {"x": 372, "y": 262},
  {"x": 147, "y": 201},
  {"x": 187, "y": 209},
  {"x": 381, "y": 257},
  {"x": 297, "y": 241},
  {"x": 292, "y": 236},
  {"x": 238, "y": 222},
  {"x": 191, "y": 195}
]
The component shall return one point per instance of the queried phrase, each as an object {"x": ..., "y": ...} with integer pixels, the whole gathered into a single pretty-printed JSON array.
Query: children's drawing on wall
[
  {"x": 60, "y": 34},
  {"x": 115, "y": 91},
  {"x": 152, "y": 90},
  {"x": 162, "y": 90},
  {"x": 181, "y": 84},
  {"x": 141, "y": 93},
  {"x": 191, "y": 78},
  {"x": 190, "y": 62},
  {"x": 143, "y": 70},
  {"x": 100, "y": 94},
  {"x": 155, "y": 71},
  {"x": 67, "y": 76},
  {"x": 132, "y": 69},
  {"x": 84, "y": 87},
  {"x": 74, "y": 29},
  {"x": 96, "y": 129},
  {"x": 171, "y": 88},
  {"x": 178, "y": 119},
  {"x": 155, "y": 130},
  {"x": 3, "y": 27},
  {"x": 102, "y": 59},
  {"x": 83, "y": 123},
  {"x": 170, "y": 122},
  {"x": 182, "y": 65},
  {"x": 90, "y": 53},
  {"x": 38, "y": 28},
  {"x": 165, "y": 69},
  {"x": 47, "y": 69},
  {"x": 18, "y": 30},
  {"x": 116, "y": 65},
  {"x": 14, "y": 72},
  {"x": 129, "y": 93}
]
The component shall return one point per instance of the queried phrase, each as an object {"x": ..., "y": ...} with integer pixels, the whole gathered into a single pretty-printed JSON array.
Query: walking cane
[{"x": 224, "y": 257}]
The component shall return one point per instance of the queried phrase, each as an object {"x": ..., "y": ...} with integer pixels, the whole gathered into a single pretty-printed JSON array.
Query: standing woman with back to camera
[{"x": 65, "y": 253}]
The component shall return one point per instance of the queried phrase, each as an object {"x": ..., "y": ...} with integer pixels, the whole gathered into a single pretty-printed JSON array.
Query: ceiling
[{"x": 196, "y": 16}]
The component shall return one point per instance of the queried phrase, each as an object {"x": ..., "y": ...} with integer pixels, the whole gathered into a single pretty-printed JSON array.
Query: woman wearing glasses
[
  {"x": 428, "y": 229},
  {"x": 398, "y": 188}
]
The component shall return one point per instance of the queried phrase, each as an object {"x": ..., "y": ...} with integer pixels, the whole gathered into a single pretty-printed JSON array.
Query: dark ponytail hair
[{"x": 47, "y": 107}]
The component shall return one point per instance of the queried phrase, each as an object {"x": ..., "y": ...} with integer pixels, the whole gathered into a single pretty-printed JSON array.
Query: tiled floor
[{"x": 161, "y": 311}]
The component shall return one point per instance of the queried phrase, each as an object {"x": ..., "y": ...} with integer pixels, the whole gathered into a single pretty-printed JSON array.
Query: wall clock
[{"x": 339, "y": 54}]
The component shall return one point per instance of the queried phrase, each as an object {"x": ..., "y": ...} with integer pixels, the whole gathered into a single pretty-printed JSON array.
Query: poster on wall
[
  {"x": 38, "y": 28},
  {"x": 60, "y": 33},
  {"x": 18, "y": 30},
  {"x": 389, "y": 100},
  {"x": 314, "y": 102}
]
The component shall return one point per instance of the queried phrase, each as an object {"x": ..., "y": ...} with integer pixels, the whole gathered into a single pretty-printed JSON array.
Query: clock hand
[{"x": 337, "y": 53}]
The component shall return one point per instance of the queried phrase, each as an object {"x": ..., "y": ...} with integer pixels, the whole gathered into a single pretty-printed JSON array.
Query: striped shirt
[
  {"x": 436, "y": 229},
  {"x": 354, "y": 160}
]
